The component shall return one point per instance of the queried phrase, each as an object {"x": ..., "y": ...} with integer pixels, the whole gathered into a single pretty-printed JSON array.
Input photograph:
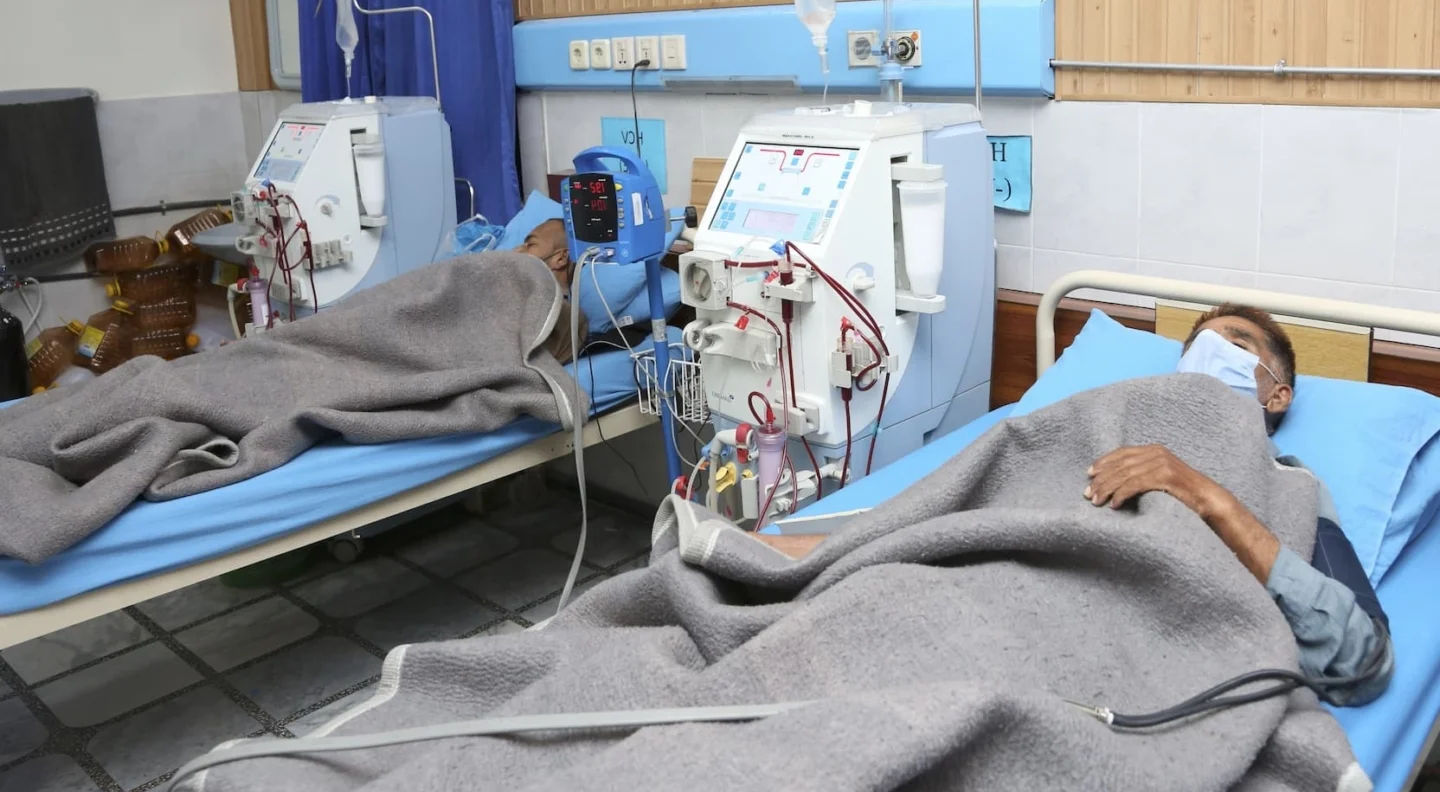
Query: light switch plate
[
  {"x": 672, "y": 53},
  {"x": 623, "y": 53},
  {"x": 648, "y": 48},
  {"x": 600, "y": 54},
  {"x": 580, "y": 55}
]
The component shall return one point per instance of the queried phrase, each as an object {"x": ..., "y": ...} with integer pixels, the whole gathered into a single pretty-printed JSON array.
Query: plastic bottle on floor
[
  {"x": 105, "y": 343},
  {"x": 124, "y": 255},
  {"x": 51, "y": 353},
  {"x": 181, "y": 236},
  {"x": 72, "y": 377},
  {"x": 207, "y": 339},
  {"x": 167, "y": 277},
  {"x": 167, "y": 342},
  {"x": 176, "y": 312}
]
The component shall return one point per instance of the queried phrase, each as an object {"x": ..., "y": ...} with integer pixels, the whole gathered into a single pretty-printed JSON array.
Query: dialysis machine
[
  {"x": 346, "y": 195},
  {"x": 843, "y": 283}
]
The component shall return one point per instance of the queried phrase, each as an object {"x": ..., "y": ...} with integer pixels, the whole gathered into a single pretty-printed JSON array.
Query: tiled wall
[
  {"x": 174, "y": 148},
  {"x": 1331, "y": 202}
]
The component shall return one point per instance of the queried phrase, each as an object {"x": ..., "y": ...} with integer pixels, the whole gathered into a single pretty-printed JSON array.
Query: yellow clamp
[{"x": 725, "y": 477}]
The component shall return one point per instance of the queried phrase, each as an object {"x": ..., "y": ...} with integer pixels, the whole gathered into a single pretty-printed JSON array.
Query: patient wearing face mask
[{"x": 1338, "y": 623}]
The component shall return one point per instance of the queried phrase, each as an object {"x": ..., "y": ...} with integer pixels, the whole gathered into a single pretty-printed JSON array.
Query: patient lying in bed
[
  {"x": 548, "y": 243},
  {"x": 1339, "y": 626}
]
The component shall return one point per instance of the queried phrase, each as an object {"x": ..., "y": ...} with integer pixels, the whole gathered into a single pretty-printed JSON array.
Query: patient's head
[
  {"x": 1247, "y": 349},
  {"x": 549, "y": 244}
]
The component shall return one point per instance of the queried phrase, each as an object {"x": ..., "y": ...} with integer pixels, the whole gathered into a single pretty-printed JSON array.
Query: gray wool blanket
[
  {"x": 939, "y": 637},
  {"x": 453, "y": 347}
]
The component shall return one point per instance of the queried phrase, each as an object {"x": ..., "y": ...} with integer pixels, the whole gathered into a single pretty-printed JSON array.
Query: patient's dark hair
[{"x": 1275, "y": 337}]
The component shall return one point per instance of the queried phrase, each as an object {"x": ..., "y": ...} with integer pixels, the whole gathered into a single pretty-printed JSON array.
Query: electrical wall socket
[
  {"x": 672, "y": 53},
  {"x": 579, "y": 55},
  {"x": 863, "y": 48},
  {"x": 647, "y": 48},
  {"x": 623, "y": 51},
  {"x": 600, "y": 54}
]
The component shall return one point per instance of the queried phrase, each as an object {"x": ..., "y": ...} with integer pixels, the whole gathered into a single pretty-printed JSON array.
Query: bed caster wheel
[
  {"x": 346, "y": 549},
  {"x": 527, "y": 489}
]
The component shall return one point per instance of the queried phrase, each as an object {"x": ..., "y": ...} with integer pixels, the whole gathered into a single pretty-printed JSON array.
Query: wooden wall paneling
[
  {"x": 1213, "y": 36},
  {"x": 704, "y": 174},
  {"x": 1342, "y": 46},
  {"x": 550, "y": 9},
  {"x": 1414, "y": 26},
  {"x": 1068, "y": 46},
  {"x": 1338, "y": 351},
  {"x": 1434, "y": 50},
  {"x": 1181, "y": 30},
  {"x": 1377, "y": 48},
  {"x": 1123, "y": 37},
  {"x": 252, "y": 44},
  {"x": 1244, "y": 48},
  {"x": 1095, "y": 37},
  {"x": 1277, "y": 29},
  {"x": 1150, "y": 30}
]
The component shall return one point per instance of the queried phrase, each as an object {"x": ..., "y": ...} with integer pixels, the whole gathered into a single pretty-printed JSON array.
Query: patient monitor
[
  {"x": 885, "y": 205},
  {"x": 372, "y": 181}
]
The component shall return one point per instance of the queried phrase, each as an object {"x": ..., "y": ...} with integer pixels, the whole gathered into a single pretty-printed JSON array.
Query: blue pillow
[
  {"x": 537, "y": 209},
  {"x": 1376, "y": 447}
]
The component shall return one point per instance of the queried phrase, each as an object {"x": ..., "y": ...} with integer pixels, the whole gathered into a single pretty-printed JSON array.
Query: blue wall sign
[
  {"x": 621, "y": 132},
  {"x": 1011, "y": 158}
]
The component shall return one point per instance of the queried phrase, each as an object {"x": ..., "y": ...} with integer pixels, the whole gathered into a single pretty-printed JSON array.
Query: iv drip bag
[
  {"x": 816, "y": 15},
  {"x": 346, "y": 35}
]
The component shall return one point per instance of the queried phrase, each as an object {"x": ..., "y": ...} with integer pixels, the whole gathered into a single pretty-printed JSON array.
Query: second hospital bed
[{"x": 1391, "y": 736}]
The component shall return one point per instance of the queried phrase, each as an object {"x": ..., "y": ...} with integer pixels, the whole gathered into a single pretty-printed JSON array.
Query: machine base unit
[
  {"x": 346, "y": 195},
  {"x": 845, "y": 267}
]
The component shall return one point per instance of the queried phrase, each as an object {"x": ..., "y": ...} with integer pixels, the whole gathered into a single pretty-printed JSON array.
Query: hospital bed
[{"x": 1391, "y": 736}]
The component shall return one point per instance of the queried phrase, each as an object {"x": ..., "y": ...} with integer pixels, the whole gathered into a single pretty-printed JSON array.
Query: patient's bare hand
[{"x": 1129, "y": 472}]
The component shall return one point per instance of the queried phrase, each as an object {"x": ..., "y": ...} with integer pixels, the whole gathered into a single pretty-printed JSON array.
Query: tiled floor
[{"x": 117, "y": 703}]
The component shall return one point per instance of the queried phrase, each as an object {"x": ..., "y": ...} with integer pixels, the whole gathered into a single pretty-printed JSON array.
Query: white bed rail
[{"x": 1292, "y": 305}]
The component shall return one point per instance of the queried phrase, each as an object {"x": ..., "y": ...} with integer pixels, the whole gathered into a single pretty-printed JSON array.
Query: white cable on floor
[
  {"x": 39, "y": 303},
  {"x": 578, "y": 430}
]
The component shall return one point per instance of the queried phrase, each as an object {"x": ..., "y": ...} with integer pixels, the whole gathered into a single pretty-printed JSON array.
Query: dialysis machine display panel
[
  {"x": 288, "y": 152},
  {"x": 784, "y": 191}
]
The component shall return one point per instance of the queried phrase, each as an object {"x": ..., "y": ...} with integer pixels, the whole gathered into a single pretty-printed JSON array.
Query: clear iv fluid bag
[
  {"x": 347, "y": 35},
  {"x": 817, "y": 16}
]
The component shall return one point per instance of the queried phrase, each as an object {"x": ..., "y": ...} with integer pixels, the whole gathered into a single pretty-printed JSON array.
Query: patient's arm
[
  {"x": 793, "y": 545},
  {"x": 1130, "y": 472}
]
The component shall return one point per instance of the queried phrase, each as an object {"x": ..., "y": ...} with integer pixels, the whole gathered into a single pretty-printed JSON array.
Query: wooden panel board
[
  {"x": 1013, "y": 367},
  {"x": 704, "y": 173},
  {"x": 1339, "y": 33},
  {"x": 1321, "y": 351},
  {"x": 252, "y": 44},
  {"x": 550, "y": 9}
]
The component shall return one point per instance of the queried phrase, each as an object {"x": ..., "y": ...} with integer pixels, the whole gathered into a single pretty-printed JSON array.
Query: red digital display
[{"x": 594, "y": 215}]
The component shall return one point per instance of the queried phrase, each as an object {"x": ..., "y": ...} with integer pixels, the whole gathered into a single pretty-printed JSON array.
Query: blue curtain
[{"x": 477, "y": 80}]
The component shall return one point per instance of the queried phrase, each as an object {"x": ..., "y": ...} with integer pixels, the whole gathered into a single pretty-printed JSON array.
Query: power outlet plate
[
  {"x": 863, "y": 48},
  {"x": 600, "y": 54},
  {"x": 914, "y": 37},
  {"x": 622, "y": 52},
  {"x": 579, "y": 55},
  {"x": 647, "y": 48},
  {"x": 672, "y": 53}
]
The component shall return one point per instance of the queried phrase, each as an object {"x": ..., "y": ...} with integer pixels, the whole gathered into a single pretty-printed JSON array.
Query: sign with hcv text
[
  {"x": 1010, "y": 163},
  {"x": 651, "y": 142}
]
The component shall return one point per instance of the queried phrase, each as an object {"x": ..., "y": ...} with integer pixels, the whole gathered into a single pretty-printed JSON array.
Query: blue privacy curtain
[{"x": 477, "y": 80}]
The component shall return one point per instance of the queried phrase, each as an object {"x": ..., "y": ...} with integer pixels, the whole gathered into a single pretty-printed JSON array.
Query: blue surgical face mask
[{"x": 1211, "y": 354}]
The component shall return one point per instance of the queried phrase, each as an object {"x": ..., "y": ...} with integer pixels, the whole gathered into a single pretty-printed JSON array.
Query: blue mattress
[
  {"x": 1389, "y": 734},
  {"x": 325, "y": 481}
]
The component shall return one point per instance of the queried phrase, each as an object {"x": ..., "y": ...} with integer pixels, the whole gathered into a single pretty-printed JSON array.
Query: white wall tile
[
  {"x": 1007, "y": 116},
  {"x": 1417, "y": 228},
  {"x": 1415, "y": 300},
  {"x": 530, "y": 119},
  {"x": 1196, "y": 274},
  {"x": 574, "y": 125},
  {"x": 1328, "y": 193},
  {"x": 1332, "y": 289},
  {"x": 181, "y": 148},
  {"x": 1014, "y": 228},
  {"x": 250, "y": 115},
  {"x": 1012, "y": 267},
  {"x": 1086, "y": 178},
  {"x": 1048, "y": 265},
  {"x": 1200, "y": 184}
]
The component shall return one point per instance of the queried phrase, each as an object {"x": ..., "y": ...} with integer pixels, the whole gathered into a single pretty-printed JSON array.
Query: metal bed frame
[
  {"x": 19, "y": 627},
  {"x": 1289, "y": 305}
]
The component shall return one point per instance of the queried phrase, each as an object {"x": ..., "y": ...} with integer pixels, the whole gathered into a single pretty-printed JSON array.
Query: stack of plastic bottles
[{"x": 152, "y": 290}]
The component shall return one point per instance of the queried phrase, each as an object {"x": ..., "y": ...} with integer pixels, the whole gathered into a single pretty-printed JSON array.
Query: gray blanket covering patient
[
  {"x": 940, "y": 636},
  {"x": 454, "y": 347}
]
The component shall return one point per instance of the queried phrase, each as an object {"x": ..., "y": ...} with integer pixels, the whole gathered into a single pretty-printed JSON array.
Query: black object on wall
[{"x": 53, "y": 198}]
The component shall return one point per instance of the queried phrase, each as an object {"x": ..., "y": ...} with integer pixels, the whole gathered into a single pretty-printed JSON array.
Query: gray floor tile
[
  {"x": 519, "y": 578},
  {"x": 361, "y": 587},
  {"x": 530, "y": 524},
  {"x": 20, "y": 732},
  {"x": 116, "y": 686},
  {"x": 302, "y": 675},
  {"x": 248, "y": 633},
  {"x": 458, "y": 548},
  {"x": 53, "y": 773},
  {"x": 607, "y": 542},
  {"x": 160, "y": 739},
  {"x": 639, "y": 563},
  {"x": 546, "y": 609},
  {"x": 4, "y": 690},
  {"x": 179, "y": 608},
  {"x": 65, "y": 649},
  {"x": 305, "y": 724},
  {"x": 436, "y": 613},
  {"x": 503, "y": 628}
]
